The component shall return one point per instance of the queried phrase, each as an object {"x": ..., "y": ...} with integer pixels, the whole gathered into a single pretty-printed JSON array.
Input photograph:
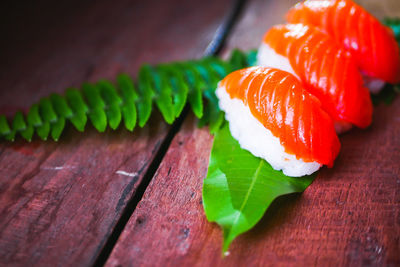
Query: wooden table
[{"x": 123, "y": 199}]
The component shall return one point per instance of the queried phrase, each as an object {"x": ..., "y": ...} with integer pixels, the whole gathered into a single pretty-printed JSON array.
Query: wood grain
[
  {"x": 350, "y": 216},
  {"x": 59, "y": 202}
]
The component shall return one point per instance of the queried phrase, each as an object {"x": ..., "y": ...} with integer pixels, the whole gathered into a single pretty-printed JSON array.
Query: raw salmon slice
[
  {"x": 327, "y": 70},
  {"x": 279, "y": 102},
  {"x": 371, "y": 43}
]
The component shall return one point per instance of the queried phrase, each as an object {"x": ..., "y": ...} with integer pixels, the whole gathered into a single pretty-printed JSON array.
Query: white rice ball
[
  {"x": 267, "y": 57},
  {"x": 254, "y": 137}
]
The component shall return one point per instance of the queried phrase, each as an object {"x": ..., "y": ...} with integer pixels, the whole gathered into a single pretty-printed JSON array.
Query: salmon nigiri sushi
[
  {"x": 326, "y": 69},
  {"x": 275, "y": 118},
  {"x": 373, "y": 45}
]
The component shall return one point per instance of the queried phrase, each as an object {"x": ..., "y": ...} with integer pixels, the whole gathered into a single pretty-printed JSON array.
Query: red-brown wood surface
[
  {"x": 59, "y": 202},
  {"x": 350, "y": 216}
]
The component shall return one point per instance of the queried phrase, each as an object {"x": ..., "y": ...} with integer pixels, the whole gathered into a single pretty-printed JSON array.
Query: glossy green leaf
[
  {"x": 57, "y": 128},
  {"x": 78, "y": 107},
  {"x": 18, "y": 123},
  {"x": 129, "y": 96},
  {"x": 144, "y": 106},
  {"x": 240, "y": 187},
  {"x": 79, "y": 120},
  {"x": 113, "y": 103},
  {"x": 173, "y": 75},
  {"x": 213, "y": 116},
  {"x": 98, "y": 118},
  {"x": 28, "y": 133},
  {"x": 33, "y": 117},
  {"x": 219, "y": 67},
  {"x": 196, "y": 86},
  {"x": 237, "y": 59},
  {"x": 60, "y": 106},
  {"x": 43, "y": 130},
  {"x": 97, "y": 114},
  {"x": 394, "y": 24},
  {"x": 75, "y": 101},
  {"x": 46, "y": 110},
  {"x": 4, "y": 127},
  {"x": 127, "y": 88},
  {"x": 170, "y": 86},
  {"x": 163, "y": 94},
  {"x": 251, "y": 58}
]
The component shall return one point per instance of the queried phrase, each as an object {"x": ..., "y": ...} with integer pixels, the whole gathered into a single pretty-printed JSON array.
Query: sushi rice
[{"x": 254, "y": 137}]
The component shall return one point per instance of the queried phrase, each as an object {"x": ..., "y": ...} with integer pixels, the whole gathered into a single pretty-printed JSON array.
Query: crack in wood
[
  {"x": 213, "y": 48},
  {"x": 107, "y": 244}
]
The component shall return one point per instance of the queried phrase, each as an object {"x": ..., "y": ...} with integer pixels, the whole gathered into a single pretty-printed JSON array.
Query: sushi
[
  {"x": 373, "y": 45},
  {"x": 275, "y": 118},
  {"x": 326, "y": 69}
]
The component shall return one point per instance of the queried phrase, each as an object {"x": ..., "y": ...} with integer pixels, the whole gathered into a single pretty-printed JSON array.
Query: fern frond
[{"x": 105, "y": 103}]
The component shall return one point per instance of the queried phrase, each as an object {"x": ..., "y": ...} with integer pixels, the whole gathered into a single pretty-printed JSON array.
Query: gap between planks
[{"x": 214, "y": 48}]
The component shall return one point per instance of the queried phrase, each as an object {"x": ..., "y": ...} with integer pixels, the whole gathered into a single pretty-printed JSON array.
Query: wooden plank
[
  {"x": 59, "y": 202},
  {"x": 348, "y": 217}
]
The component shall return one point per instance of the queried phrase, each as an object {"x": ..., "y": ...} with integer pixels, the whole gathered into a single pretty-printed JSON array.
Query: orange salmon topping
[
  {"x": 371, "y": 43},
  {"x": 279, "y": 101}
]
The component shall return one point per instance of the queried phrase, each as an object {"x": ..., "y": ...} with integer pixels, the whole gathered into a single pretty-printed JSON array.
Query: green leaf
[
  {"x": 57, "y": 128},
  {"x": 60, "y": 106},
  {"x": 18, "y": 123},
  {"x": 251, "y": 58},
  {"x": 213, "y": 115},
  {"x": 196, "y": 86},
  {"x": 394, "y": 24},
  {"x": 28, "y": 133},
  {"x": 113, "y": 102},
  {"x": 46, "y": 110},
  {"x": 240, "y": 187},
  {"x": 219, "y": 67},
  {"x": 33, "y": 117},
  {"x": 144, "y": 106},
  {"x": 173, "y": 75},
  {"x": 96, "y": 114},
  {"x": 79, "y": 109},
  {"x": 129, "y": 96},
  {"x": 170, "y": 86},
  {"x": 237, "y": 59},
  {"x": 98, "y": 118},
  {"x": 43, "y": 130},
  {"x": 4, "y": 127},
  {"x": 163, "y": 94}
]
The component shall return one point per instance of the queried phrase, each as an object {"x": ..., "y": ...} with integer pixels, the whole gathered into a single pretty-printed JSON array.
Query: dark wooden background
[{"x": 116, "y": 199}]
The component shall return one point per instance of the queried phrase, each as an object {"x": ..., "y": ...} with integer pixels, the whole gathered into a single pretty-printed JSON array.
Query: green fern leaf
[
  {"x": 196, "y": 87},
  {"x": 163, "y": 94},
  {"x": 57, "y": 128},
  {"x": 4, "y": 127},
  {"x": 173, "y": 77},
  {"x": 19, "y": 122},
  {"x": 169, "y": 86},
  {"x": 78, "y": 107},
  {"x": 113, "y": 103},
  {"x": 96, "y": 104},
  {"x": 146, "y": 93},
  {"x": 60, "y": 106},
  {"x": 46, "y": 110},
  {"x": 129, "y": 96},
  {"x": 43, "y": 130},
  {"x": 33, "y": 116}
]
